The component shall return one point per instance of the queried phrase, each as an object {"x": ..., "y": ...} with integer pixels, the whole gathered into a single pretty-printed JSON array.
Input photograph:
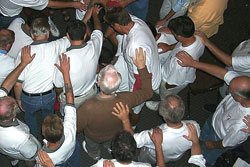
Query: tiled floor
[{"x": 233, "y": 31}]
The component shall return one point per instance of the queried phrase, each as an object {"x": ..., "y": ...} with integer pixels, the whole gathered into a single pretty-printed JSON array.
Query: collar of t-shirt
[
  {"x": 14, "y": 123},
  {"x": 76, "y": 46},
  {"x": 3, "y": 51},
  {"x": 25, "y": 30},
  {"x": 48, "y": 150},
  {"x": 40, "y": 42}
]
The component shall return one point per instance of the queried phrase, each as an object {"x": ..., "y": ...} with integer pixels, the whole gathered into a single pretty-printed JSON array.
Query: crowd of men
[{"x": 102, "y": 90}]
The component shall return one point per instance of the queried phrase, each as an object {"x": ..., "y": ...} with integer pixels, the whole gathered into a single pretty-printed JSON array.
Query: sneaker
[
  {"x": 96, "y": 158},
  {"x": 153, "y": 105},
  {"x": 209, "y": 108},
  {"x": 53, "y": 29}
]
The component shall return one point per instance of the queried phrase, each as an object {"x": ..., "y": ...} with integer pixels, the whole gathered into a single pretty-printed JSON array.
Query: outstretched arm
[
  {"x": 59, "y": 4},
  {"x": 95, "y": 12},
  {"x": 64, "y": 67},
  {"x": 185, "y": 60},
  {"x": 157, "y": 138},
  {"x": 11, "y": 79},
  {"x": 222, "y": 56}
]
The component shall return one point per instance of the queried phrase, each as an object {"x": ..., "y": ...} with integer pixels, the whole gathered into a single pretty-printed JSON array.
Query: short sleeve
[
  {"x": 241, "y": 63},
  {"x": 3, "y": 92},
  {"x": 198, "y": 160},
  {"x": 143, "y": 139},
  {"x": 234, "y": 137},
  {"x": 229, "y": 76},
  {"x": 29, "y": 148}
]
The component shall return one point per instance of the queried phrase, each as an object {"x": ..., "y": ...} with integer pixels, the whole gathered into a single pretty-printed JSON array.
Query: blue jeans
[
  {"x": 32, "y": 104},
  {"x": 5, "y": 21},
  {"x": 139, "y": 9},
  {"x": 74, "y": 160},
  {"x": 208, "y": 133}
]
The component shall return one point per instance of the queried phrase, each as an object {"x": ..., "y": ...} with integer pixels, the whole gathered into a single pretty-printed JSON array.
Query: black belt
[{"x": 38, "y": 94}]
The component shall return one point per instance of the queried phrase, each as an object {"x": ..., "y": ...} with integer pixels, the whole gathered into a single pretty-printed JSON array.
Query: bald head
[
  {"x": 240, "y": 86},
  {"x": 7, "y": 38},
  {"x": 8, "y": 108},
  {"x": 109, "y": 80},
  {"x": 172, "y": 108}
]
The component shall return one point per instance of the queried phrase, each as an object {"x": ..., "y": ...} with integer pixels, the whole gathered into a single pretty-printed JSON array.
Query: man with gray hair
[
  {"x": 95, "y": 117},
  {"x": 34, "y": 89},
  {"x": 172, "y": 109}
]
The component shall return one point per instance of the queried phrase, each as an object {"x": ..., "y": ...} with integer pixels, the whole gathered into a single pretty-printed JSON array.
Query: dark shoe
[{"x": 209, "y": 108}]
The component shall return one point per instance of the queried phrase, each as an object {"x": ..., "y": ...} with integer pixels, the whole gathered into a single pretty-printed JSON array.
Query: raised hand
[
  {"x": 156, "y": 136},
  {"x": 44, "y": 159},
  {"x": 64, "y": 66},
  {"x": 192, "y": 133},
  {"x": 121, "y": 111},
  {"x": 202, "y": 36},
  {"x": 26, "y": 56},
  {"x": 185, "y": 60}
]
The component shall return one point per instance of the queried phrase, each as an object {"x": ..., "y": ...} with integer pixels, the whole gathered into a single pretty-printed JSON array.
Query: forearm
[
  {"x": 160, "y": 162},
  {"x": 222, "y": 56},
  {"x": 60, "y": 4},
  {"x": 196, "y": 148},
  {"x": 127, "y": 126},
  {"x": 11, "y": 79},
  {"x": 97, "y": 23},
  {"x": 18, "y": 90},
  {"x": 68, "y": 89},
  {"x": 214, "y": 70},
  {"x": 217, "y": 145},
  {"x": 169, "y": 15}
]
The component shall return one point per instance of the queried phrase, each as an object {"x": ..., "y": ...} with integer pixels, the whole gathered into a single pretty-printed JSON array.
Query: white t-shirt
[
  {"x": 241, "y": 58},
  {"x": 12, "y": 8},
  {"x": 173, "y": 73},
  {"x": 64, "y": 152},
  {"x": 227, "y": 119},
  {"x": 37, "y": 76},
  {"x": 7, "y": 65},
  {"x": 22, "y": 37},
  {"x": 141, "y": 36},
  {"x": 171, "y": 137},
  {"x": 117, "y": 164},
  {"x": 15, "y": 139},
  {"x": 83, "y": 65}
]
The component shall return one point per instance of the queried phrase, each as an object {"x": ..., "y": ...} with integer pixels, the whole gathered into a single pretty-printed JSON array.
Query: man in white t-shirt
[
  {"x": 175, "y": 77},
  {"x": 84, "y": 60},
  {"x": 60, "y": 136},
  {"x": 172, "y": 109},
  {"x": 35, "y": 90},
  {"x": 222, "y": 130},
  {"x": 136, "y": 34},
  {"x": 9, "y": 10},
  {"x": 7, "y": 63},
  {"x": 15, "y": 139}
]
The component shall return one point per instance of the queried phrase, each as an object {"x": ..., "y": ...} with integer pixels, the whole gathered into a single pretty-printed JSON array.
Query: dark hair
[
  {"x": 76, "y": 30},
  {"x": 117, "y": 15},
  {"x": 152, "y": 28},
  {"x": 182, "y": 26},
  {"x": 52, "y": 128},
  {"x": 6, "y": 37},
  {"x": 106, "y": 56},
  {"x": 33, "y": 16},
  {"x": 124, "y": 147}
]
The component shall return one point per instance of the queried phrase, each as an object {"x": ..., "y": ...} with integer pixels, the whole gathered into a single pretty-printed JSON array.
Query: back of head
[
  {"x": 40, "y": 27},
  {"x": 35, "y": 15},
  {"x": 117, "y": 15},
  {"x": 6, "y": 37},
  {"x": 52, "y": 128},
  {"x": 172, "y": 108},
  {"x": 109, "y": 79},
  {"x": 240, "y": 86},
  {"x": 76, "y": 30},
  {"x": 8, "y": 108},
  {"x": 106, "y": 56},
  {"x": 182, "y": 26},
  {"x": 124, "y": 147}
]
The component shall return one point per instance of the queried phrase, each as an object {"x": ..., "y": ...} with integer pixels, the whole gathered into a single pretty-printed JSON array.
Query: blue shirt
[{"x": 180, "y": 5}]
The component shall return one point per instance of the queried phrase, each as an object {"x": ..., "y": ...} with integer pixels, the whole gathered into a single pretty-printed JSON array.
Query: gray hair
[
  {"x": 8, "y": 107},
  {"x": 172, "y": 108},
  {"x": 109, "y": 79},
  {"x": 40, "y": 27}
]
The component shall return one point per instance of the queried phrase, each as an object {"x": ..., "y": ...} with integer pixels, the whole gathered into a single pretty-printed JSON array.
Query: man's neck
[
  {"x": 188, "y": 41},
  {"x": 77, "y": 43},
  {"x": 40, "y": 38},
  {"x": 174, "y": 126},
  {"x": 102, "y": 95},
  {"x": 53, "y": 145}
]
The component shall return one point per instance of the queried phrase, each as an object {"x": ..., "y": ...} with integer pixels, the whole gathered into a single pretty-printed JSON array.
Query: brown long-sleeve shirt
[{"x": 95, "y": 117}]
